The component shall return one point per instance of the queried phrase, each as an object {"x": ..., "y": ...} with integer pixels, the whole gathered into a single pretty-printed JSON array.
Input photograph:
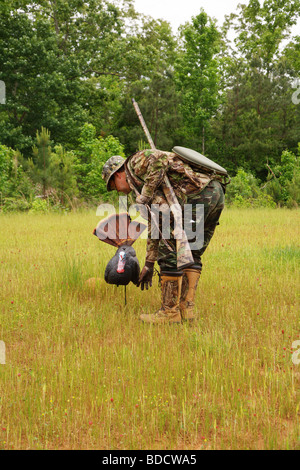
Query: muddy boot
[
  {"x": 189, "y": 285},
  {"x": 170, "y": 290}
]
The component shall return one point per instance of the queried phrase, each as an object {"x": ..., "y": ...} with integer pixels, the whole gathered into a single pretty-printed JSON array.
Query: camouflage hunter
[
  {"x": 147, "y": 169},
  {"x": 165, "y": 180},
  {"x": 145, "y": 174}
]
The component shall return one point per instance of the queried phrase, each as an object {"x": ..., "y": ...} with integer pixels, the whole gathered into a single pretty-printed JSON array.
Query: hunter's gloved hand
[{"x": 146, "y": 275}]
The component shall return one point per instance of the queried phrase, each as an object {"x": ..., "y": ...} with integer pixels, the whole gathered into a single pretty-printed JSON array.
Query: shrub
[
  {"x": 284, "y": 187},
  {"x": 243, "y": 186},
  {"x": 14, "y": 182},
  {"x": 262, "y": 200},
  {"x": 244, "y": 191},
  {"x": 39, "y": 206},
  {"x": 16, "y": 205},
  {"x": 6, "y": 155}
]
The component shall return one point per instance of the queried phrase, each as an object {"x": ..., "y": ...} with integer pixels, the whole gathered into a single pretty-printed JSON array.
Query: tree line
[{"x": 70, "y": 69}]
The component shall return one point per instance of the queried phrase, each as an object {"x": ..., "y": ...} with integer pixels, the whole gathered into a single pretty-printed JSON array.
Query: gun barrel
[{"x": 144, "y": 126}]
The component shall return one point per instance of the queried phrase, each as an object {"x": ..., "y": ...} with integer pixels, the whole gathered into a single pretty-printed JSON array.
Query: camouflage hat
[{"x": 112, "y": 165}]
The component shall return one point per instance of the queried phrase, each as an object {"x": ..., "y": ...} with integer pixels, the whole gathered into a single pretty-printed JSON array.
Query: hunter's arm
[{"x": 157, "y": 166}]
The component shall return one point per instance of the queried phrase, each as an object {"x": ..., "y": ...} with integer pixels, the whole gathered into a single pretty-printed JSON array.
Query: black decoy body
[{"x": 123, "y": 268}]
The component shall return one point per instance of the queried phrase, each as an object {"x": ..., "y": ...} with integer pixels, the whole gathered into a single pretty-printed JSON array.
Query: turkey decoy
[{"x": 118, "y": 230}]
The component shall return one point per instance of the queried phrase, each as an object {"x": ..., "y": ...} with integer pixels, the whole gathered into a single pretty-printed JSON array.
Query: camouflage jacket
[{"x": 147, "y": 169}]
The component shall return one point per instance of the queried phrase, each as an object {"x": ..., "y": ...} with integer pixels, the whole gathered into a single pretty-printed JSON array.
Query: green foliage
[
  {"x": 285, "y": 185},
  {"x": 149, "y": 68},
  {"x": 258, "y": 119},
  {"x": 12, "y": 204},
  {"x": 142, "y": 145},
  {"x": 63, "y": 173},
  {"x": 53, "y": 172},
  {"x": 243, "y": 185},
  {"x": 50, "y": 53},
  {"x": 197, "y": 76},
  {"x": 6, "y": 155},
  {"x": 244, "y": 191},
  {"x": 39, "y": 206},
  {"x": 282, "y": 187},
  {"x": 94, "y": 152},
  {"x": 262, "y": 200},
  {"x": 14, "y": 182},
  {"x": 293, "y": 190},
  {"x": 40, "y": 164}
]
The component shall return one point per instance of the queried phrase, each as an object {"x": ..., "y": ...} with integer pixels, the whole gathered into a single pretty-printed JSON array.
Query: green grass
[{"x": 82, "y": 372}]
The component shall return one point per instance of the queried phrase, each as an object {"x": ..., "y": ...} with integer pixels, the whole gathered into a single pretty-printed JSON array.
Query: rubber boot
[
  {"x": 170, "y": 292},
  {"x": 189, "y": 285}
]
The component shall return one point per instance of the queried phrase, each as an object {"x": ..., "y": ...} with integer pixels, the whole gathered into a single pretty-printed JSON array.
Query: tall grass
[{"x": 82, "y": 372}]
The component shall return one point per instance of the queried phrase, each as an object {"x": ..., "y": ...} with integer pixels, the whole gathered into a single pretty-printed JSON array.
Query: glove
[{"x": 146, "y": 275}]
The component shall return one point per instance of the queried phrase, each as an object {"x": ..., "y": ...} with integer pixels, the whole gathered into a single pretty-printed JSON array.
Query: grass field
[{"x": 82, "y": 372}]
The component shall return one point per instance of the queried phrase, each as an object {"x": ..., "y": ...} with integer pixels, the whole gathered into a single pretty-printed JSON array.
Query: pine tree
[
  {"x": 63, "y": 174},
  {"x": 40, "y": 166}
]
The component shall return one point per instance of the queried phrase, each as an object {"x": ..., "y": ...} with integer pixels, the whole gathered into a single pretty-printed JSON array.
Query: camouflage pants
[{"x": 212, "y": 199}]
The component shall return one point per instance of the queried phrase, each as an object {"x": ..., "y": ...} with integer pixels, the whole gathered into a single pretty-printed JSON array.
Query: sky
[{"x": 177, "y": 12}]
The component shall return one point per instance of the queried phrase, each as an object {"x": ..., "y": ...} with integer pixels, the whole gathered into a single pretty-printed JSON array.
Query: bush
[
  {"x": 243, "y": 186},
  {"x": 16, "y": 205},
  {"x": 6, "y": 155},
  {"x": 244, "y": 191},
  {"x": 284, "y": 188},
  {"x": 14, "y": 183},
  {"x": 263, "y": 200},
  {"x": 39, "y": 206},
  {"x": 58, "y": 207}
]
